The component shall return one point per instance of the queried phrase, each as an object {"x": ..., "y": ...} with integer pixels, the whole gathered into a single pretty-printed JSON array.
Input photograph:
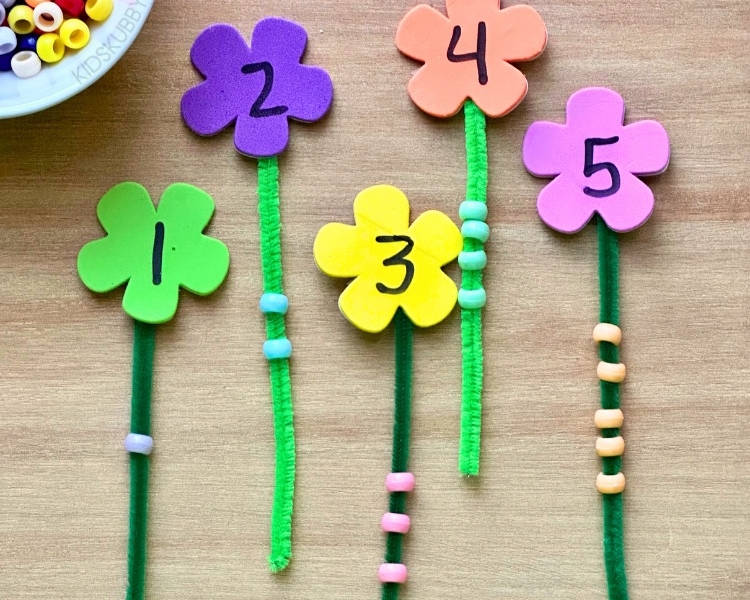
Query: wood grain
[{"x": 530, "y": 527}]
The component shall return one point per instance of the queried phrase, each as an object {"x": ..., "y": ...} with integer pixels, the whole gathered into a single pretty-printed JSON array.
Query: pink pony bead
[
  {"x": 392, "y": 573},
  {"x": 399, "y": 482},
  {"x": 395, "y": 523}
]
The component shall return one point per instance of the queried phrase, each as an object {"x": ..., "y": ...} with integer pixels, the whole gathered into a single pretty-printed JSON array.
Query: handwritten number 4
[
  {"x": 480, "y": 55},
  {"x": 590, "y": 168},
  {"x": 398, "y": 259},
  {"x": 257, "y": 111}
]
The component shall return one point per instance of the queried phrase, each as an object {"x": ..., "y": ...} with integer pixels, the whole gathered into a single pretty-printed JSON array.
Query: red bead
[{"x": 71, "y": 8}]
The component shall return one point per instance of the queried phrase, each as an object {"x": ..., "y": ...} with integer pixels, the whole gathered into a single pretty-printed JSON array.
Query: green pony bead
[
  {"x": 478, "y": 230},
  {"x": 472, "y": 261},
  {"x": 472, "y": 209},
  {"x": 472, "y": 298}
]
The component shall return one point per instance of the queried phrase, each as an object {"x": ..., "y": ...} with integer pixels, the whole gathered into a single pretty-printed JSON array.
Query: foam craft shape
[
  {"x": 394, "y": 264},
  {"x": 156, "y": 251},
  {"x": 596, "y": 162},
  {"x": 467, "y": 54},
  {"x": 258, "y": 87}
]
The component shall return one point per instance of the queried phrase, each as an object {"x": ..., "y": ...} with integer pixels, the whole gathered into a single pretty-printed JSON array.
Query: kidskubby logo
[{"x": 109, "y": 48}]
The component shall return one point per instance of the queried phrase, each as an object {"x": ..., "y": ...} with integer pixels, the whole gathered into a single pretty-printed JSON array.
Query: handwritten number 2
[
  {"x": 590, "y": 167},
  {"x": 257, "y": 111},
  {"x": 398, "y": 259},
  {"x": 480, "y": 55}
]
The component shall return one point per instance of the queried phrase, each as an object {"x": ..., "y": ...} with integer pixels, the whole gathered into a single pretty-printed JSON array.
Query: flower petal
[
  {"x": 563, "y": 206},
  {"x": 516, "y": 34},
  {"x": 279, "y": 41},
  {"x": 105, "y": 264},
  {"x": 544, "y": 149},
  {"x": 432, "y": 91},
  {"x": 382, "y": 209},
  {"x": 125, "y": 207},
  {"x": 365, "y": 307},
  {"x": 308, "y": 92},
  {"x": 596, "y": 112},
  {"x": 506, "y": 89},
  {"x": 261, "y": 137},
  {"x": 435, "y": 235},
  {"x": 458, "y": 9},
  {"x": 423, "y": 33},
  {"x": 150, "y": 303},
  {"x": 431, "y": 296},
  {"x": 646, "y": 148},
  {"x": 185, "y": 206},
  {"x": 218, "y": 50},
  {"x": 202, "y": 266},
  {"x": 207, "y": 109},
  {"x": 341, "y": 250},
  {"x": 630, "y": 207},
  {"x": 219, "y": 53}
]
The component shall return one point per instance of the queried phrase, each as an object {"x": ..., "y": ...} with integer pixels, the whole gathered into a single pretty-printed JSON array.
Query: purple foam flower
[
  {"x": 595, "y": 161},
  {"x": 259, "y": 86}
]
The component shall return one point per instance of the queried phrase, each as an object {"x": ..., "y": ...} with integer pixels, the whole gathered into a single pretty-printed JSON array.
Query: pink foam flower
[{"x": 596, "y": 162}]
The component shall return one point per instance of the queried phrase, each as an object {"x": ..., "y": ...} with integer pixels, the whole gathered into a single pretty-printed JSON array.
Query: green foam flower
[{"x": 156, "y": 251}]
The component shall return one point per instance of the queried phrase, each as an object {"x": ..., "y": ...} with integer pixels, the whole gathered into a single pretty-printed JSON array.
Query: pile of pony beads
[{"x": 34, "y": 32}]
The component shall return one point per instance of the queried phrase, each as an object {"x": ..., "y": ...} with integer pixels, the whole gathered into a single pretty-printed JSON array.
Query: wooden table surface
[{"x": 530, "y": 526}]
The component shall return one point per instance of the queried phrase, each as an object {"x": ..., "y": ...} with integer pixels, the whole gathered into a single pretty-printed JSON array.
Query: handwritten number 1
[
  {"x": 257, "y": 111},
  {"x": 480, "y": 55},
  {"x": 157, "y": 254},
  {"x": 590, "y": 167},
  {"x": 398, "y": 259}
]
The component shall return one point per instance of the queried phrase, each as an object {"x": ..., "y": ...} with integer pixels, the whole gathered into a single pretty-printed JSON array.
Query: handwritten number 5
[
  {"x": 398, "y": 259},
  {"x": 590, "y": 167},
  {"x": 480, "y": 55},
  {"x": 257, "y": 111}
]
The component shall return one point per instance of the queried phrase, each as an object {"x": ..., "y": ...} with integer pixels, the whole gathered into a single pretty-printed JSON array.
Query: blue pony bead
[
  {"x": 470, "y": 299},
  {"x": 274, "y": 349},
  {"x": 472, "y": 261},
  {"x": 274, "y": 303},
  {"x": 27, "y": 42}
]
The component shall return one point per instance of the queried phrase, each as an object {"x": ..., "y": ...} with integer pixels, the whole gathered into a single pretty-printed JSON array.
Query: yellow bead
[
  {"x": 21, "y": 19},
  {"x": 99, "y": 10},
  {"x": 75, "y": 34},
  {"x": 50, "y": 48}
]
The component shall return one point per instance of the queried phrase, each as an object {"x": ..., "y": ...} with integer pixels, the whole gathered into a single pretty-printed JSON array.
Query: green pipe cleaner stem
[
  {"x": 404, "y": 330},
  {"x": 281, "y": 385},
  {"x": 612, "y": 514},
  {"x": 472, "y": 353},
  {"x": 144, "y": 342}
]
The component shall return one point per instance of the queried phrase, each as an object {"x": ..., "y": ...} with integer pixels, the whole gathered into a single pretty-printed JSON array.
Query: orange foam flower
[{"x": 467, "y": 54}]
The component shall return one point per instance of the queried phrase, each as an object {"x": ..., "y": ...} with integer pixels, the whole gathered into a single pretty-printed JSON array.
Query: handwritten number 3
[
  {"x": 257, "y": 111},
  {"x": 590, "y": 167},
  {"x": 480, "y": 55},
  {"x": 398, "y": 259}
]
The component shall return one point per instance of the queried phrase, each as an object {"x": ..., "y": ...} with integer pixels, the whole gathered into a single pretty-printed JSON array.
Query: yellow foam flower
[{"x": 394, "y": 265}]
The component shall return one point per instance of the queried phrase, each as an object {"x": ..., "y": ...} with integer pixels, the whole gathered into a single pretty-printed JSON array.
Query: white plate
[{"x": 77, "y": 70}]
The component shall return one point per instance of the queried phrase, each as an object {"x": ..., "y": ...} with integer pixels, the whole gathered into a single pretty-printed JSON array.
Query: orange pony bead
[{"x": 467, "y": 54}]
